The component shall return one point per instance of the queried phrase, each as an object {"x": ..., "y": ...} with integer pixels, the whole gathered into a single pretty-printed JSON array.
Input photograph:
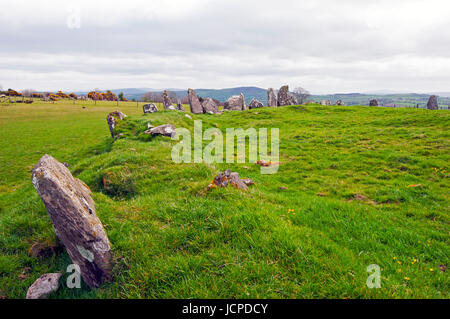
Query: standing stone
[
  {"x": 340, "y": 103},
  {"x": 292, "y": 99},
  {"x": 235, "y": 103},
  {"x": 325, "y": 102},
  {"x": 373, "y": 102},
  {"x": 149, "y": 108},
  {"x": 286, "y": 98},
  {"x": 113, "y": 118},
  {"x": 72, "y": 211},
  {"x": 432, "y": 103},
  {"x": 209, "y": 106},
  {"x": 255, "y": 103},
  {"x": 44, "y": 286},
  {"x": 272, "y": 99},
  {"x": 194, "y": 102},
  {"x": 167, "y": 102}
]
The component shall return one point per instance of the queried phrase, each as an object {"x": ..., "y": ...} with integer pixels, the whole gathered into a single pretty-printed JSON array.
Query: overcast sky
[{"x": 325, "y": 46}]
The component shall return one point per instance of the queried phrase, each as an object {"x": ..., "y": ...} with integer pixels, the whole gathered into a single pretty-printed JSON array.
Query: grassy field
[{"x": 356, "y": 186}]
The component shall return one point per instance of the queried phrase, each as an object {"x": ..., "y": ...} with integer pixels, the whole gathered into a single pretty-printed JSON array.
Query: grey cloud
[{"x": 328, "y": 45}]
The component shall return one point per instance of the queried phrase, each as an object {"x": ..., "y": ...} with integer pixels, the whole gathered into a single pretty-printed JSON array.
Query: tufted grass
[{"x": 343, "y": 199}]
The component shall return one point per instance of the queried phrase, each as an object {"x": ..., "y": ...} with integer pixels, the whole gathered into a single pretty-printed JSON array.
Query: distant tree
[
  {"x": 301, "y": 94},
  {"x": 120, "y": 96},
  {"x": 154, "y": 97}
]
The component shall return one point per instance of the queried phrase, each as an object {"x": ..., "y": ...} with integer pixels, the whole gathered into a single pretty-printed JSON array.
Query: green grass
[{"x": 172, "y": 241}]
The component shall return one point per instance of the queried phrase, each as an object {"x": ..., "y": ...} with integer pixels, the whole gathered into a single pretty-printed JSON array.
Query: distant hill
[
  {"x": 220, "y": 94},
  {"x": 250, "y": 92},
  {"x": 400, "y": 100}
]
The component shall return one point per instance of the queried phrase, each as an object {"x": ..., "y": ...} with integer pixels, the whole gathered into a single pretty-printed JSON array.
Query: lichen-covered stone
[
  {"x": 194, "y": 102},
  {"x": 432, "y": 103},
  {"x": 165, "y": 130},
  {"x": 44, "y": 286},
  {"x": 235, "y": 103},
  {"x": 72, "y": 211},
  {"x": 272, "y": 99},
  {"x": 209, "y": 106},
  {"x": 112, "y": 119},
  {"x": 255, "y": 103},
  {"x": 149, "y": 108}
]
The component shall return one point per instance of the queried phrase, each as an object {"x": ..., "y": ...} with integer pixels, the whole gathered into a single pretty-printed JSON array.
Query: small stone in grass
[{"x": 44, "y": 286}]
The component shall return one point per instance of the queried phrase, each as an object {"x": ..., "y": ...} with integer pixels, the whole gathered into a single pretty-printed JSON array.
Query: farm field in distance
[{"x": 356, "y": 186}]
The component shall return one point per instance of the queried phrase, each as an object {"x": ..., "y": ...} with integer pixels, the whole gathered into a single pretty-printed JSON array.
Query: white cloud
[{"x": 324, "y": 45}]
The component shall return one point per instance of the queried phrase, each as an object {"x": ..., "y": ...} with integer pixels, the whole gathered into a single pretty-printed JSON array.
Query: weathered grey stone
[
  {"x": 432, "y": 103},
  {"x": 194, "y": 102},
  {"x": 286, "y": 98},
  {"x": 149, "y": 108},
  {"x": 255, "y": 103},
  {"x": 72, "y": 211},
  {"x": 44, "y": 286},
  {"x": 340, "y": 103},
  {"x": 235, "y": 103},
  {"x": 209, "y": 106},
  {"x": 292, "y": 99},
  {"x": 165, "y": 130},
  {"x": 230, "y": 178},
  {"x": 272, "y": 99},
  {"x": 113, "y": 118},
  {"x": 167, "y": 102},
  {"x": 325, "y": 102},
  {"x": 373, "y": 102}
]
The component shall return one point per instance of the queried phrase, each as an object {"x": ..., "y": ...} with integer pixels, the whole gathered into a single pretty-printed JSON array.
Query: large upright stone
[
  {"x": 209, "y": 106},
  {"x": 286, "y": 98},
  {"x": 325, "y": 102},
  {"x": 255, "y": 103},
  {"x": 194, "y": 102},
  {"x": 72, "y": 211},
  {"x": 373, "y": 102},
  {"x": 235, "y": 103},
  {"x": 272, "y": 99},
  {"x": 167, "y": 102},
  {"x": 113, "y": 118},
  {"x": 432, "y": 103}
]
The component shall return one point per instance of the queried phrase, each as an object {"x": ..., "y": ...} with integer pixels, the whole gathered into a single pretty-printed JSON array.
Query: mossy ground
[{"x": 359, "y": 186}]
